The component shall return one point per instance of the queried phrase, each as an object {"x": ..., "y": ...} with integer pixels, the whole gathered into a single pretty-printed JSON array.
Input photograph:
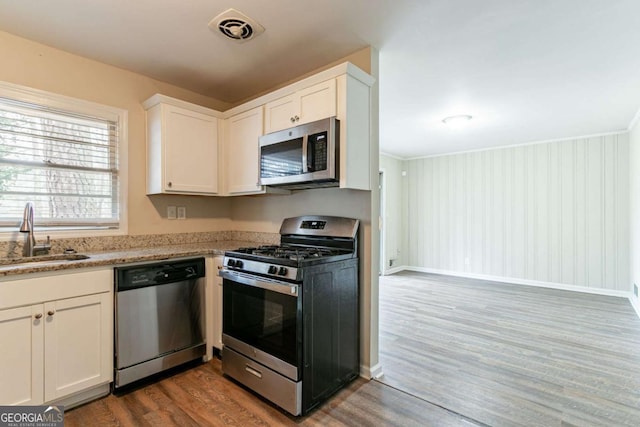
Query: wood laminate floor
[
  {"x": 511, "y": 355},
  {"x": 202, "y": 396},
  {"x": 455, "y": 352}
]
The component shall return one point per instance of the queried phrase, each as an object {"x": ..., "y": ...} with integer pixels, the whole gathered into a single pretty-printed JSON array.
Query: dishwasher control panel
[{"x": 158, "y": 273}]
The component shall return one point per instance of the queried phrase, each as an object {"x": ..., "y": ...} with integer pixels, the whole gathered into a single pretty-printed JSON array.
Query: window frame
[{"x": 82, "y": 107}]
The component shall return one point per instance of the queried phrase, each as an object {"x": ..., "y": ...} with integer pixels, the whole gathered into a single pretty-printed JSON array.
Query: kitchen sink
[{"x": 43, "y": 259}]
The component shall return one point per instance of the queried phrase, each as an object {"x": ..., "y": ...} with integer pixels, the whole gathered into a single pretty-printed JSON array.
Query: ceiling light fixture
[{"x": 456, "y": 120}]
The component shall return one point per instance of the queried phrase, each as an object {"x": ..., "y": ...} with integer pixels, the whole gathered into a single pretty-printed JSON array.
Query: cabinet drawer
[
  {"x": 36, "y": 288},
  {"x": 280, "y": 390}
]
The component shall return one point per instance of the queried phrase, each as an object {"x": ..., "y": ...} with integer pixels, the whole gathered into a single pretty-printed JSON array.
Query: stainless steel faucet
[{"x": 27, "y": 227}]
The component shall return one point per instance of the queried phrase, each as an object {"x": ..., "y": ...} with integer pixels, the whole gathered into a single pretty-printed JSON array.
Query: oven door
[{"x": 262, "y": 319}]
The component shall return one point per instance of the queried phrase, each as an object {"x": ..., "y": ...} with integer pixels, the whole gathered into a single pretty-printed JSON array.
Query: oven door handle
[{"x": 280, "y": 287}]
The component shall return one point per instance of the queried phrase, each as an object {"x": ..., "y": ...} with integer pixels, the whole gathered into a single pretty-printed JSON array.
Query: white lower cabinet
[
  {"x": 22, "y": 356},
  {"x": 77, "y": 344},
  {"x": 214, "y": 304},
  {"x": 56, "y": 348}
]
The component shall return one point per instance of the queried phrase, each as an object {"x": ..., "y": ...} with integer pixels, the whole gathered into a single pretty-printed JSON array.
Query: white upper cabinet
[
  {"x": 305, "y": 105},
  {"x": 182, "y": 147},
  {"x": 354, "y": 113},
  {"x": 184, "y": 156},
  {"x": 242, "y": 151}
]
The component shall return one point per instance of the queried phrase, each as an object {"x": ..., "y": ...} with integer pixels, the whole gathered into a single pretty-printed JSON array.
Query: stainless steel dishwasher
[{"x": 159, "y": 317}]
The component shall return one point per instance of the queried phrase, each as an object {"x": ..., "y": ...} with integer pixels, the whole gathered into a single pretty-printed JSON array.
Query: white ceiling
[{"x": 526, "y": 70}]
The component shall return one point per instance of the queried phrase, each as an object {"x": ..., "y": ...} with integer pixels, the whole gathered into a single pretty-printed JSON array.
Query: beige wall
[{"x": 41, "y": 67}]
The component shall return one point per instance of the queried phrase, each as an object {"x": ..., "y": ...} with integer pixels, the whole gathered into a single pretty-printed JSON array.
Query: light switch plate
[
  {"x": 182, "y": 212},
  {"x": 171, "y": 212}
]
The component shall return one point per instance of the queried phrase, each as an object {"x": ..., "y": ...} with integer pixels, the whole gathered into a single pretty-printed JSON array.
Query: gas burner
[
  {"x": 260, "y": 250},
  {"x": 297, "y": 254},
  {"x": 288, "y": 252},
  {"x": 300, "y": 245}
]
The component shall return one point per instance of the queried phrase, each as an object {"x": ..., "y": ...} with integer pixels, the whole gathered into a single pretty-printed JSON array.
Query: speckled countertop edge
[{"x": 128, "y": 256}]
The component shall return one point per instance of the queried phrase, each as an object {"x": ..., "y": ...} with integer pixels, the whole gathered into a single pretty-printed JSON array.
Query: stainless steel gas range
[{"x": 290, "y": 313}]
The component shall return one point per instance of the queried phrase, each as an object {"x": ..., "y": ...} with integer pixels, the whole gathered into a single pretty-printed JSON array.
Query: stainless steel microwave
[{"x": 305, "y": 156}]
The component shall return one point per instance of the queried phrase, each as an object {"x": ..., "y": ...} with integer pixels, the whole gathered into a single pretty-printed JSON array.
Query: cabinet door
[
  {"x": 190, "y": 151},
  {"x": 21, "y": 363},
  {"x": 280, "y": 114},
  {"x": 317, "y": 102},
  {"x": 78, "y": 344},
  {"x": 214, "y": 304},
  {"x": 242, "y": 150},
  {"x": 217, "y": 305}
]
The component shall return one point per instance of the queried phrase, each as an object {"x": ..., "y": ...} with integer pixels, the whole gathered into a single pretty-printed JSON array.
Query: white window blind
[{"x": 63, "y": 162}]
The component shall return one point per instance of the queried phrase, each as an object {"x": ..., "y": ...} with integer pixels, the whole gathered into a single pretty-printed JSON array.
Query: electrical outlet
[
  {"x": 171, "y": 212},
  {"x": 182, "y": 212}
]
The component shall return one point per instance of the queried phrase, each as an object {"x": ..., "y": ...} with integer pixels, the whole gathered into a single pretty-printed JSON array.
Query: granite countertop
[{"x": 114, "y": 258}]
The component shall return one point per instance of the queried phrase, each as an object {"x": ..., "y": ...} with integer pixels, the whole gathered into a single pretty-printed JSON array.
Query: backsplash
[{"x": 12, "y": 249}]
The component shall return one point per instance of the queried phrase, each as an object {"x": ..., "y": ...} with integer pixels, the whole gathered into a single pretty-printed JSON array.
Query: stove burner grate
[{"x": 288, "y": 252}]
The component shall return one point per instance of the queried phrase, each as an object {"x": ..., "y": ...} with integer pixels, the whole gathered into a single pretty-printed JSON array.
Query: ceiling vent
[{"x": 236, "y": 26}]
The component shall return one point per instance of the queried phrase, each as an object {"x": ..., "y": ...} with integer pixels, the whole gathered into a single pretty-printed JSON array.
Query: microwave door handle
[{"x": 305, "y": 153}]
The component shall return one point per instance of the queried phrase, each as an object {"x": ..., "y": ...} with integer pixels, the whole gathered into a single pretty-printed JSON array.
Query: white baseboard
[
  {"x": 527, "y": 282},
  {"x": 635, "y": 303},
  {"x": 371, "y": 372},
  {"x": 393, "y": 270},
  {"x": 84, "y": 396}
]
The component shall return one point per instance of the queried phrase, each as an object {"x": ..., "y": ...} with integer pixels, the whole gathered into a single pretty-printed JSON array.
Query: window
[{"x": 62, "y": 155}]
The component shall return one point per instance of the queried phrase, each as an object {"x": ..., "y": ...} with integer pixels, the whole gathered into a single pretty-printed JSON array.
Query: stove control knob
[
  {"x": 282, "y": 271},
  {"x": 239, "y": 264},
  {"x": 231, "y": 263},
  {"x": 272, "y": 269}
]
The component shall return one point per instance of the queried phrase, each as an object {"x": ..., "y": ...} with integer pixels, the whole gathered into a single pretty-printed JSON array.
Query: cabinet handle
[
  {"x": 38, "y": 316},
  {"x": 169, "y": 184},
  {"x": 293, "y": 119},
  {"x": 297, "y": 118},
  {"x": 50, "y": 313}
]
